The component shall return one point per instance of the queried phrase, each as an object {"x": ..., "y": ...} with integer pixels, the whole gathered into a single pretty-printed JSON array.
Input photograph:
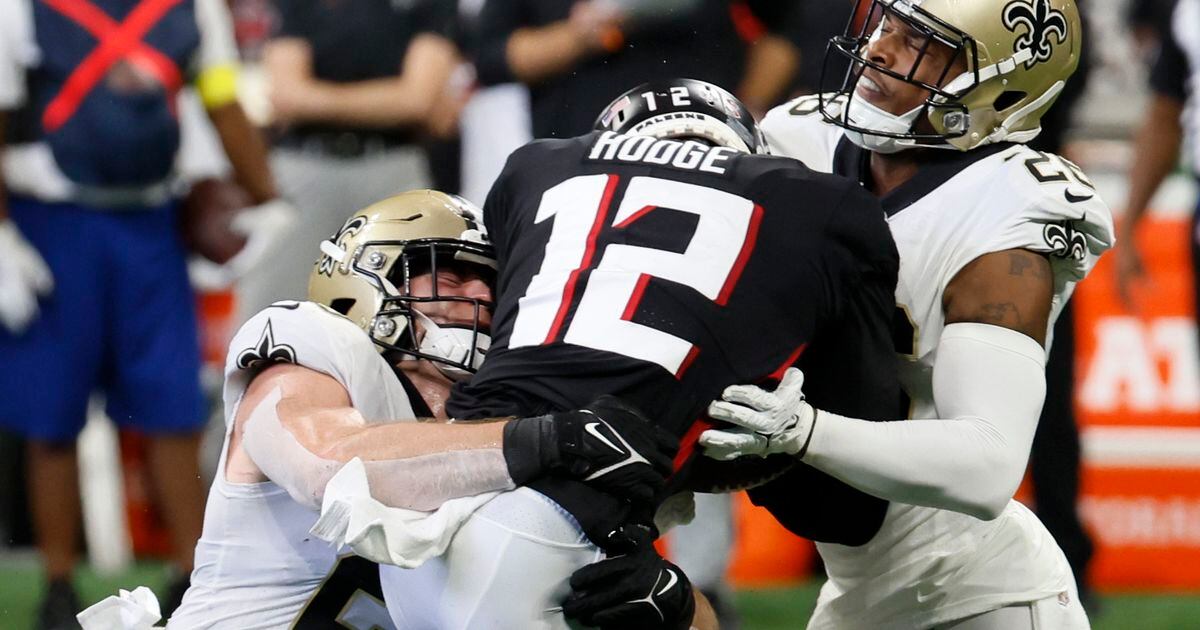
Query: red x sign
[{"x": 116, "y": 41}]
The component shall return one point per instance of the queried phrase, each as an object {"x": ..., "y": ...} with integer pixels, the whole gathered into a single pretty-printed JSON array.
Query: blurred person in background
[
  {"x": 484, "y": 144},
  {"x": 94, "y": 290},
  {"x": 351, "y": 86},
  {"x": 1148, "y": 20},
  {"x": 1173, "y": 108},
  {"x": 575, "y": 55}
]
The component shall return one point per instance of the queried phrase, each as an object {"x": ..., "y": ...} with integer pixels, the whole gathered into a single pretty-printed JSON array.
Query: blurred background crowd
[{"x": 299, "y": 111}]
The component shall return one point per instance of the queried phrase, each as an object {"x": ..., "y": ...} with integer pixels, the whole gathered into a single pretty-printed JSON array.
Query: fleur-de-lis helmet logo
[
  {"x": 326, "y": 264},
  {"x": 1040, "y": 21}
]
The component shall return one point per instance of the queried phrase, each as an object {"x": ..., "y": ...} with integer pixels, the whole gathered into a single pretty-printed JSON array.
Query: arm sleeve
[
  {"x": 989, "y": 383},
  {"x": 1168, "y": 75},
  {"x": 438, "y": 17},
  {"x": 421, "y": 482},
  {"x": 216, "y": 63},
  {"x": 294, "y": 19},
  {"x": 311, "y": 336}
]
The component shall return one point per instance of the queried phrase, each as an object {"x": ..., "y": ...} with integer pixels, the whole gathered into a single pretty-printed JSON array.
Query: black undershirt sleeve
[
  {"x": 1168, "y": 75},
  {"x": 497, "y": 22},
  {"x": 295, "y": 19}
]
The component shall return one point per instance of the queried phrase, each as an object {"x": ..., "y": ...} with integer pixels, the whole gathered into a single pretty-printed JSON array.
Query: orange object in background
[
  {"x": 766, "y": 554},
  {"x": 216, "y": 312},
  {"x": 1140, "y": 368},
  {"x": 1138, "y": 405},
  {"x": 147, "y": 531},
  {"x": 1146, "y": 522}
]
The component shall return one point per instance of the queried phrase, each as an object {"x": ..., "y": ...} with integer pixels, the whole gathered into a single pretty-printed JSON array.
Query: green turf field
[{"x": 765, "y": 609}]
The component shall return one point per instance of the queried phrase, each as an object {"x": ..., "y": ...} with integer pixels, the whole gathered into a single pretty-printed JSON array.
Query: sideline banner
[{"x": 1137, "y": 401}]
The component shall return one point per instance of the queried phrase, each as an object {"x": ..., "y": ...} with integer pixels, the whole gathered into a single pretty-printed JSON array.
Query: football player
[
  {"x": 993, "y": 236},
  {"x": 402, "y": 299},
  {"x": 659, "y": 259}
]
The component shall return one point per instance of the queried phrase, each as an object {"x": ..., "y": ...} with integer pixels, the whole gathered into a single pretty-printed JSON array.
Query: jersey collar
[{"x": 850, "y": 160}]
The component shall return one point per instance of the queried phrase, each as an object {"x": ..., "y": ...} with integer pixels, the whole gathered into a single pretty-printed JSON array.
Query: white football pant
[
  {"x": 1061, "y": 612},
  {"x": 507, "y": 568}
]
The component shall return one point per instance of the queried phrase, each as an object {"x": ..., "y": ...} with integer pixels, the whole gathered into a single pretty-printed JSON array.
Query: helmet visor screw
[
  {"x": 385, "y": 327},
  {"x": 376, "y": 260},
  {"x": 955, "y": 122}
]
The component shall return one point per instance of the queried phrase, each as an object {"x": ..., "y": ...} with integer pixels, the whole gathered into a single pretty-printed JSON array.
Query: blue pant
[{"x": 121, "y": 319}]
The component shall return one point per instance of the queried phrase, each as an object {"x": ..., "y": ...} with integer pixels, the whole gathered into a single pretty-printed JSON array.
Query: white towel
[
  {"x": 128, "y": 611},
  {"x": 406, "y": 538}
]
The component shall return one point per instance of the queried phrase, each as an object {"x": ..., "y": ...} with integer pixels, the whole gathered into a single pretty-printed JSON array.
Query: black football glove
[
  {"x": 607, "y": 445},
  {"x": 638, "y": 590}
]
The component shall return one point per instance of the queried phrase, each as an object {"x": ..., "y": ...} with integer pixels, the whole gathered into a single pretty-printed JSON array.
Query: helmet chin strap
[
  {"x": 453, "y": 344},
  {"x": 864, "y": 115}
]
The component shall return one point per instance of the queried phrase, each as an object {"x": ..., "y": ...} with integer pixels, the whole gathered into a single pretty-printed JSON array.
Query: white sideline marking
[{"x": 1141, "y": 447}]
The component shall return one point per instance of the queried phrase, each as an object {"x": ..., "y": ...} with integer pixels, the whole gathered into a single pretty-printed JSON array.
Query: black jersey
[{"x": 663, "y": 271}]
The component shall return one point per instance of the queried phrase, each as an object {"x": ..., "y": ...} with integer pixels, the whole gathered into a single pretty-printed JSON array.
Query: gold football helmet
[
  {"x": 365, "y": 270},
  {"x": 1018, "y": 55}
]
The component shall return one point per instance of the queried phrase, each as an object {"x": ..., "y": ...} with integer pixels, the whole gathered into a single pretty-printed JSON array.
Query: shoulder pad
[
  {"x": 797, "y": 129},
  {"x": 1044, "y": 203},
  {"x": 302, "y": 333}
]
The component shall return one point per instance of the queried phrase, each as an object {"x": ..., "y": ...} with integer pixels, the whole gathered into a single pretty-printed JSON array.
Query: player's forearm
[
  {"x": 246, "y": 150},
  {"x": 770, "y": 66},
  {"x": 705, "y": 617},
  {"x": 413, "y": 465},
  {"x": 990, "y": 388},
  {"x": 408, "y": 99},
  {"x": 537, "y": 54},
  {"x": 1156, "y": 151},
  {"x": 376, "y": 103},
  {"x": 409, "y": 465},
  {"x": 389, "y": 440}
]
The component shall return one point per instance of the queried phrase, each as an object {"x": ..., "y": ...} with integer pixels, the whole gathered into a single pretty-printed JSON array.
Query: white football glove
[
  {"x": 23, "y": 277},
  {"x": 262, "y": 225},
  {"x": 767, "y": 422}
]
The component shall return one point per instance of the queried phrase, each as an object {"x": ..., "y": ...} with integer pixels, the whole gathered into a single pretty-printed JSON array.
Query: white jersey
[
  {"x": 927, "y": 566},
  {"x": 257, "y": 566}
]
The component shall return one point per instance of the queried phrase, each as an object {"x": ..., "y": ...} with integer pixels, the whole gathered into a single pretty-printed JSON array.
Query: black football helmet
[{"x": 684, "y": 109}]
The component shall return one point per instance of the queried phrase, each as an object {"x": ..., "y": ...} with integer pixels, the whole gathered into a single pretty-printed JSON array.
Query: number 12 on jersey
[{"x": 582, "y": 209}]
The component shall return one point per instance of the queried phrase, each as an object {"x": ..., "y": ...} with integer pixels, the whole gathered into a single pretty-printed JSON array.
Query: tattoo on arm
[
  {"x": 1020, "y": 262},
  {"x": 1000, "y": 313},
  {"x": 1012, "y": 289}
]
